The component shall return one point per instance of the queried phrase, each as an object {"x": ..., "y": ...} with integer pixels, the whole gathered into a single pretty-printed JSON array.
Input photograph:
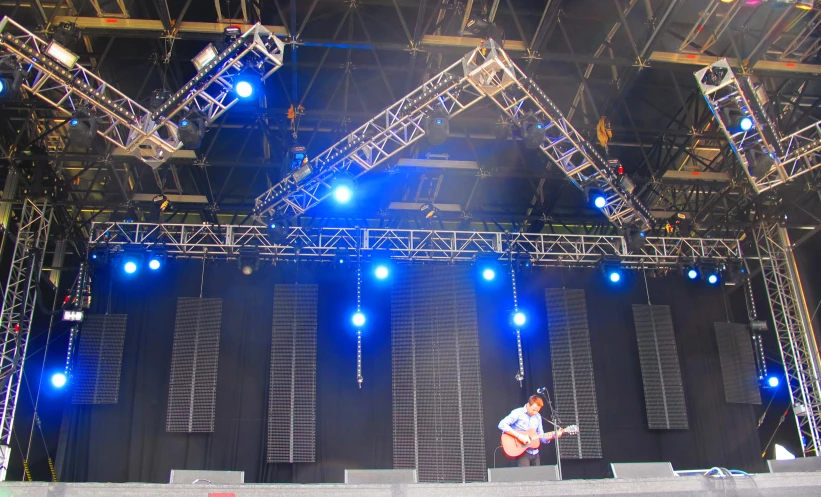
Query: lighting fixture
[
  {"x": 82, "y": 127},
  {"x": 772, "y": 381},
  {"x": 713, "y": 76},
  {"x": 342, "y": 256},
  {"x": 437, "y": 127},
  {"x": 488, "y": 274},
  {"x": 156, "y": 258},
  {"x": 635, "y": 238},
  {"x": 130, "y": 267},
  {"x": 61, "y": 54},
  {"x": 534, "y": 133},
  {"x": 519, "y": 318},
  {"x": 611, "y": 268},
  {"x": 804, "y": 4},
  {"x": 11, "y": 79},
  {"x": 595, "y": 196},
  {"x": 343, "y": 188},
  {"x": 745, "y": 123},
  {"x": 248, "y": 260},
  {"x": 191, "y": 130},
  {"x": 73, "y": 316},
  {"x": 381, "y": 272},
  {"x": 358, "y": 319},
  {"x": 205, "y": 57},
  {"x": 59, "y": 380}
]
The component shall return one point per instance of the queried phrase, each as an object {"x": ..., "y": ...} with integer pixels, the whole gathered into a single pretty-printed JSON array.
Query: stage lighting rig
[
  {"x": 11, "y": 78},
  {"x": 634, "y": 238},
  {"x": 437, "y": 127},
  {"x": 82, "y": 128},
  {"x": 248, "y": 260},
  {"x": 534, "y": 134},
  {"x": 191, "y": 129},
  {"x": 610, "y": 267},
  {"x": 481, "y": 27}
]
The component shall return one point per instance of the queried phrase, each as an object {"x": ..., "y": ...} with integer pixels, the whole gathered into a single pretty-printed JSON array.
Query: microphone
[{"x": 541, "y": 390}]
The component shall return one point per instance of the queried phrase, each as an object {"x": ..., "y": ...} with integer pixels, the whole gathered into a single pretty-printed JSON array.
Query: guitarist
[{"x": 522, "y": 419}]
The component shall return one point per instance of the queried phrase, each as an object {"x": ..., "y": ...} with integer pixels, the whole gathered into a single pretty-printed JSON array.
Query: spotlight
[
  {"x": 489, "y": 274},
  {"x": 437, "y": 127},
  {"x": 759, "y": 162},
  {"x": 231, "y": 34},
  {"x": 523, "y": 261},
  {"x": 611, "y": 268},
  {"x": 99, "y": 256},
  {"x": 804, "y": 4},
  {"x": 130, "y": 267},
  {"x": 772, "y": 381},
  {"x": 519, "y": 319},
  {"x": 82, "y": 127},
  {"x": 246, "y": 83},
  {"x": 595, "y": 196},
  {"x": 534, "y": 134},
  {"x": 712, "y": 279},
  {"x": 205, "y": 57},
  {"x": 156, "y": 259},
  {"x": 429, "y": 211},
  {"x": 381, "y": 272},
  {"x": 358, "y": 319},
  {"x": 61, "y": 54},
  {"x": 342, "y": 256},
  {"x": 343, "y": 189},
  {"x": 692, "y": 273},
  {"x": 191, "y": 130},
  {"x": 11, "y": 79},
  {"x": 278, "y": 231},
  {"x": 734, "y": 273},
  {"x": 483, "y": 28},
  {"x": 244, "y": 89},
  {"x": 248, "y": 260},
  {"x": 58, "y": 380},
  {"x": 745, "y": 123},
  {"x": 487, "y": 263}
]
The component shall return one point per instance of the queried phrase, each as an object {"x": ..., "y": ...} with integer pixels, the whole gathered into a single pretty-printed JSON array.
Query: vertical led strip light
[
  {"x": 520, "y": 376},
  {"x": 359, "y": 378}
]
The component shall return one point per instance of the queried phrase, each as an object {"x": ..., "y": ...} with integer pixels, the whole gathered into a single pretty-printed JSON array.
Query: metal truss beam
[
  {"x": 784, "y": 67},
  {"x": 486, "y": 71},
  {"x": 18, "y": 309},
  {"x": 150, "y": 136},
  {"x": 793, "y": 327},
  {"x": 320, "y": 244},
  {"x": 769, "y": 158}
]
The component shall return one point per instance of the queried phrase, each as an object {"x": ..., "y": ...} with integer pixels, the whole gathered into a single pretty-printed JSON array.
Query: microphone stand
[{"x": 555, "y": 422}]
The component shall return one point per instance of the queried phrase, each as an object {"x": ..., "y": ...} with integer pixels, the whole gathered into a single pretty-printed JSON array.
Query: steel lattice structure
[
  {"x": 18, "y": 308},
  {"x": 186, "y": 240},
  {"x": 486, "y": 71},
  {"x": 793, "y": 327},
  {"x": 152, "y": 137},
  {"x": 769, "y": 158}
]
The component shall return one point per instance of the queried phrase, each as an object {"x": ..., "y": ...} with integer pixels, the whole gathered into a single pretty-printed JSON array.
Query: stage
[{"x": 780, "y": 485}]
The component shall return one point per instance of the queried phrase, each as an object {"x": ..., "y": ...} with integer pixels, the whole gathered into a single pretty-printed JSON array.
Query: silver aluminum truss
[
  {"x": 486, "y": 71},
  {"x": 151, "y": 137},
  {"x": 793, "y": 327},
  {"x": 320, "y": 244},
  {"x": 769, "y": 159},
  {"x": 18, "y": 308}
]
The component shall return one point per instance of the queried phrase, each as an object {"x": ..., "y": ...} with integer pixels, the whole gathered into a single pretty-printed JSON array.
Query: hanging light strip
[{"x": 520, "y": 376}]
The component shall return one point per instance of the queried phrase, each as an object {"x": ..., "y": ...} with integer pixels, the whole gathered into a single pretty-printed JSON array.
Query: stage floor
[{"x": 765, "y": 485}]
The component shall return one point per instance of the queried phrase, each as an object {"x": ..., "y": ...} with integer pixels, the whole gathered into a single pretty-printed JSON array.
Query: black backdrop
[{"x": 128, "y": 442}]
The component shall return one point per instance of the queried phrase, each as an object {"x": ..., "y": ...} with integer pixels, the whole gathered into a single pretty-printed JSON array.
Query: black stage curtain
[{"x": 128, "y": 442}]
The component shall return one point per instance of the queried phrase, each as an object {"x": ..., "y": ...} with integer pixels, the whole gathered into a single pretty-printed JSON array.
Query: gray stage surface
[{"x": 775, "y": 485}]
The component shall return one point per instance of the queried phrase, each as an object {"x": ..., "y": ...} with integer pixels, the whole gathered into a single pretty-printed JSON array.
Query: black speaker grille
[
  {"x": 735, "y": 352},
  {"x": 99, "y": 360}
]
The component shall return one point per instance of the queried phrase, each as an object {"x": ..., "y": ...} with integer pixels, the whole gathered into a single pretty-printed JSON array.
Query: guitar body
[{"x": 513, "y": 448}]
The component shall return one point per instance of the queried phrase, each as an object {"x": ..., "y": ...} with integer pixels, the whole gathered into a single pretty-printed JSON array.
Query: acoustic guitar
[{"x": 513, "y": 448}]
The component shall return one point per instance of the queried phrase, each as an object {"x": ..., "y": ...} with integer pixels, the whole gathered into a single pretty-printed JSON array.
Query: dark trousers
[{"x": 528, "y": 460}]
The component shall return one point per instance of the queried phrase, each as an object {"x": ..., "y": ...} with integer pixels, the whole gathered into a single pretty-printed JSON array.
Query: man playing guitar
[{"x": 522, "y": 419}]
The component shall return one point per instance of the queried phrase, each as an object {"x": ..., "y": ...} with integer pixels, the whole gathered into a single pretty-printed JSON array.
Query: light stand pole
[{"x": 554, "y": 420}]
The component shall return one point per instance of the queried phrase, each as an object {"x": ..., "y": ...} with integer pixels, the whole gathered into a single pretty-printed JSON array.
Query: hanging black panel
[
  {"x": 660, "y": 371},
  {"x": 735, "y": 352},
  {"x": 437, "y": 395},
  {"x": 192, "y": 391},
  {"x": 573, "y": 383},
  {"x": 95, "y": 376},
  {"x": 292, "y": 386}
]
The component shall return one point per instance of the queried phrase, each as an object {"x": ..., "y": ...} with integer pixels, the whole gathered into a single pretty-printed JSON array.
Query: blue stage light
[
  {"x": 599, "y": 201},
  {"x": 712, "y": 279},
  {"x": 358, "y": 319},
  {"x": 2, "y": 87},
  {"x": 74, "y": 122},
  {"x": 154, "y": 264},
  {"x": 58, "y": 380},
  {"x": 614, "y": 276},
  {"x": 130, "y": 267},
  {"x": 342, "y": 194},
  {"x": 381, "y": 272},
  {"x": 519, "y": 319},
  {"x": 488, "y": 274},
  {"x": 772, "y": 381},
  {"x": 746, "y": 123},
  {"x": 184, "y": 123},
  {"x": 692, "y": 274},
  {"x": 244, "y": 89}
]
